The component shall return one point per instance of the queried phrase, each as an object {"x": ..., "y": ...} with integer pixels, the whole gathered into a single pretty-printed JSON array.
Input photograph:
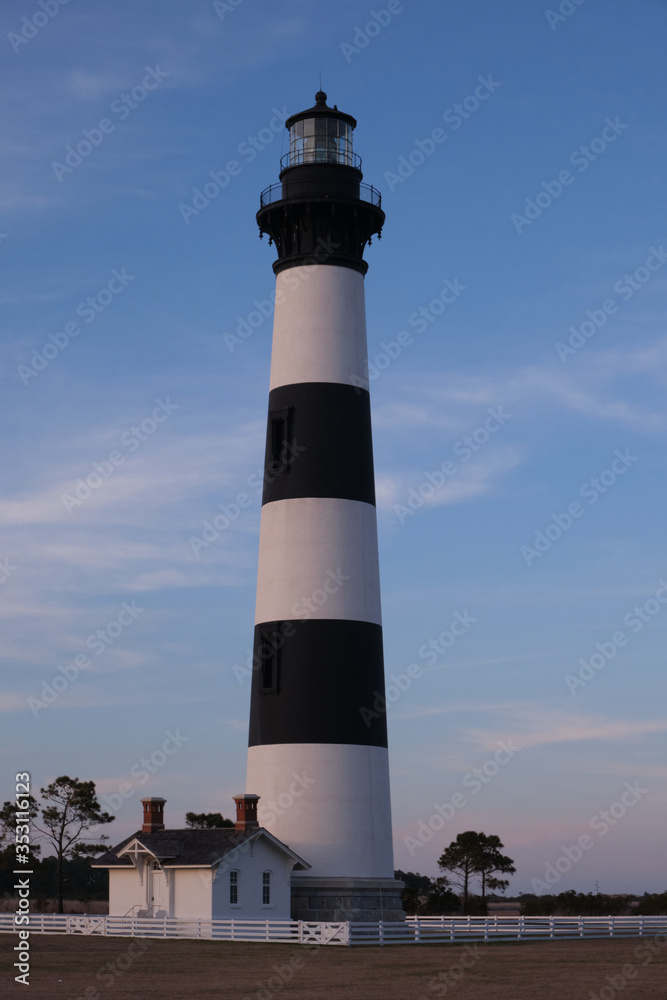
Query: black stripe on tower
[
  {"x": 318, "y": 443},
  {"x": 318, "y": 681}
]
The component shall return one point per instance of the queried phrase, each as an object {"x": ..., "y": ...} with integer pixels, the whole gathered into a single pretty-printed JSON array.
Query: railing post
[{"x": 381, "y": 932}]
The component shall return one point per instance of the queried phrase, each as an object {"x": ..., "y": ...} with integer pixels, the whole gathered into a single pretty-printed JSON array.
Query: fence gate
[
  {"x": 86, "y": 925},
  {"x": 318, "y": 933}
]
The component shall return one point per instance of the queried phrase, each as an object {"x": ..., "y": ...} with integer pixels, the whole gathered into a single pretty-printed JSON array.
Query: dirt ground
[{"x": 66, "y": 967}]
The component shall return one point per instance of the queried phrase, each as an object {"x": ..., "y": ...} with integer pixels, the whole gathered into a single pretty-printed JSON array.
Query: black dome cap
[{"x": 320, "y": 110}]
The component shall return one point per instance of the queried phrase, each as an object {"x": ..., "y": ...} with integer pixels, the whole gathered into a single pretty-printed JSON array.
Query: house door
[{"x": 159, "y": 894}]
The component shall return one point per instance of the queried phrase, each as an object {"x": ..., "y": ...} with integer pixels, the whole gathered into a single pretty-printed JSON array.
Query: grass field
[{"x": 97, "y": 968}]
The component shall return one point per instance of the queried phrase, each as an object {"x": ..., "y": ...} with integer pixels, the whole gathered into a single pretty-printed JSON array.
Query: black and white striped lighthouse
[{"x": 317, "y": 751}]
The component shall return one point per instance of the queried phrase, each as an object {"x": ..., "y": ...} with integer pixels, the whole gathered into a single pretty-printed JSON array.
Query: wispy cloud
[
  {"x": 535, "y": 726},
  {"x": 469, "y": 482},
  {"x": 593, "y": 388},
  {"x": 89, "y": 86}
]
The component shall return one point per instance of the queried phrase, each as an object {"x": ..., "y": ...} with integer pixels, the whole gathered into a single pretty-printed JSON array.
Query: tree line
[
  {"x": 472, "y": 865},
  {"x": 473, "y": 860},
  {"x": 62, "y": 823}
]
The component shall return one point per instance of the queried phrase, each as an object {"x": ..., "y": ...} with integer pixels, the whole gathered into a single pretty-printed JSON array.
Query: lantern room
[{"x": 320, "y": 135}]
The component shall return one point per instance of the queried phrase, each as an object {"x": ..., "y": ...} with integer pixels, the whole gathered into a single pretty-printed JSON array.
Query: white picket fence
[
  {"x": 289, "y": 931},
  {"x": 434, "y": 930},
  {"x": 414, "y": 930}
]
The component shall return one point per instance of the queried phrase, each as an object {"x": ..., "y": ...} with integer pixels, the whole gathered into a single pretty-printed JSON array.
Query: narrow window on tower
[
  {"x": 279, "y": 450},
  {"x": 266, "y": 888},
  {"x": 270, "y": 660},
  {"x": 233, "y": 888}
]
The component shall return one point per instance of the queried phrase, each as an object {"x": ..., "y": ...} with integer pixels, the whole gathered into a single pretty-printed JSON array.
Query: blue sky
[{"x": 567, "y": 127}]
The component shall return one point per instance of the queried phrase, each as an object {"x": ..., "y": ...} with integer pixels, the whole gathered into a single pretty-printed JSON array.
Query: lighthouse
[{"x": 317, "y": 754}]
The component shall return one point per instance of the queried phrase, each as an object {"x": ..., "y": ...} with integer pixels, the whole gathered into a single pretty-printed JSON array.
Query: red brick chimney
[
  {"x": 153, "y": 814},
  {"x": 246, "y": 812}
]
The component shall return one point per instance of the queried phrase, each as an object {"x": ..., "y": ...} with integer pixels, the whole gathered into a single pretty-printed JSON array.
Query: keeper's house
[{"x": 237, "y": 873}]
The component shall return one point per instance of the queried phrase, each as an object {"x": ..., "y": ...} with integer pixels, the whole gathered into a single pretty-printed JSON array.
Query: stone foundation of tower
[{"x": 333, "y": 899}]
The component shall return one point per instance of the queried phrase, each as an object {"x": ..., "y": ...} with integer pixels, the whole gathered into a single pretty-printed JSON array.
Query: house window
[
  {"x": 233, "y": 888},
  {"x": 279, "y": 442},
  {"x": 266, "y": 888},
  {"x": 269, "y": 652}
]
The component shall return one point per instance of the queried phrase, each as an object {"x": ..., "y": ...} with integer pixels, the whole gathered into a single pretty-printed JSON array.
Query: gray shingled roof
[{"x": 176, "y": 848}]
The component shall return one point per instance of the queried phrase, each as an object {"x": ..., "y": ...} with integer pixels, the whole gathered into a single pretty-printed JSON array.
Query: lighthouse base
[{"x": 333, "y": 899}]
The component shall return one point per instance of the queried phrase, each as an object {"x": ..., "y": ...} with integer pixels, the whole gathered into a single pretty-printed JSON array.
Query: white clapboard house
[{"x": 241, "y": 872}]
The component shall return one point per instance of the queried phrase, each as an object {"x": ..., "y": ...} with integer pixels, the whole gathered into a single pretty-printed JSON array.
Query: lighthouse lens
[{"x": 320, "y": 140}]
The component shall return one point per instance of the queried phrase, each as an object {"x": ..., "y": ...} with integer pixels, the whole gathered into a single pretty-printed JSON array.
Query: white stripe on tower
[
  {"x": 316, "y": 799},
  {"x": 318, "y": 558},
  {"x": 319, "y": 327}
]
